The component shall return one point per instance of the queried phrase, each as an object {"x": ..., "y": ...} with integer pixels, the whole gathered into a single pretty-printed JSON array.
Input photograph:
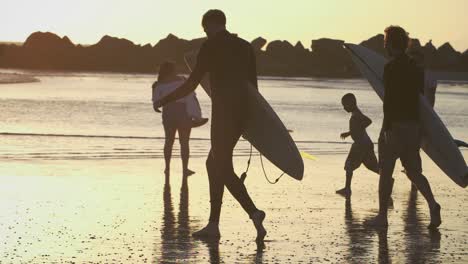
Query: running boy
[{"x": 362, "y": 150}]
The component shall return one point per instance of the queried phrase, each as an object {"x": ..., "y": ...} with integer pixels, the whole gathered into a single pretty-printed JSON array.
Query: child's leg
[
  {"x": 353, "y": 161},
  {"x": 169, "y": 131},
  {"x": 370, "y": 161},
  {"x": 349, "y": 176},
  {"x": 184, "y": 138}
]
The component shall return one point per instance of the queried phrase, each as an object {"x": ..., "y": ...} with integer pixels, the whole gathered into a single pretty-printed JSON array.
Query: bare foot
[
  {"x": 345, "y": 192},
  {"x": 377, "y": 222},
  {"x": 211, "y": 231},
  {"x": 257, "y": 219},
  {"x": 436, "y": 220}
]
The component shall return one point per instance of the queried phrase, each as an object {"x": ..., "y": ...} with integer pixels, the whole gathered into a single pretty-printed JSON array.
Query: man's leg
[
  {"x": 387, "y": 159},
  {"x": 236, "y": 187},
  {"x": 423, "y": 186},
  {"x": 412, "y": 163},
  {"x": 386, "y": 185},
  {"x": 216, "y": 197},
  {"x": 216, "y": 188},
  {"x": 411, "y": 160},
  {"x": 372, "y": 164}
]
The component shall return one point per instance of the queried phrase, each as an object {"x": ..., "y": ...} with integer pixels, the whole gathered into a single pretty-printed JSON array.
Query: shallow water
[{"x": 81, "y": 181}]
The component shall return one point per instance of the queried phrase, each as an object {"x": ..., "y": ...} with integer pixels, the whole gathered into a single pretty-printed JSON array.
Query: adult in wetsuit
[
  {"x": 401, "y": 130},
  {"x": 231, "y": 64}
]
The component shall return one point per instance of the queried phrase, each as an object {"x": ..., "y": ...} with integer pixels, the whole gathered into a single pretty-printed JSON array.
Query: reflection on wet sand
[
  {"x": 422, "y": 244},
  {"x": 177, "y": 243},
  {"x": 259, "y": 252},
  {"x": 360, "y": 239},
  {"x": 183, "y": 239},
  {"x": 168, "y": 233},
  {"x": 383, "y": 255}
]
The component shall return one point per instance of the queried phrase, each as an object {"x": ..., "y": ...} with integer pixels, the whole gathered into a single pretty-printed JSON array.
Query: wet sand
[
  {"x": 124, "y": 211},
  {"x": 14, "y": 78}
]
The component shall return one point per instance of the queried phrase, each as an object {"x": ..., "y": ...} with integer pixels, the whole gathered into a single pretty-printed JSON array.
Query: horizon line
[{"x": 267, "y": 41}]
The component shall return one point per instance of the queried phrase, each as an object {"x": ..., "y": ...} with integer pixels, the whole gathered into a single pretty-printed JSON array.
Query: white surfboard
[
  {"x": 437, "y": 141},
  {"x": 264, "y": 130}
]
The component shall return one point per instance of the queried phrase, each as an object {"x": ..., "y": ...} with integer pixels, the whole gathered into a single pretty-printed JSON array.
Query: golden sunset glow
[{"x": 147, "y": 21}]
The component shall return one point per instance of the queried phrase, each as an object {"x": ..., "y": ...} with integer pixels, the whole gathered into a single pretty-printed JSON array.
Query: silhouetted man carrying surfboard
[
  {"x": 401, "y": 130},
  {"x": 231, "y": 64}
]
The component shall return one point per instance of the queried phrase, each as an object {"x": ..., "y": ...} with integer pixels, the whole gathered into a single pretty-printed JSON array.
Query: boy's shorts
[{"x": 361, "y": 154}]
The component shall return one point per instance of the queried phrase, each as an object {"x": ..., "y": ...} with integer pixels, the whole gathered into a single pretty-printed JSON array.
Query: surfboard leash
[
  {"x": 244, "y": 175},
  {"x": 264, "y": 173}
]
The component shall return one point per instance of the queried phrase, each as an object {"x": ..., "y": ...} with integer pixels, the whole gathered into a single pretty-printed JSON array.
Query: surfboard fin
[{"x": 308, "y": 156}]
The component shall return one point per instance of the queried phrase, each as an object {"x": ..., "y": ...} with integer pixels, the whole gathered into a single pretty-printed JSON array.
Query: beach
[
  {"x": 11, "y": 78},
  {"x": 81, "y": 180}
]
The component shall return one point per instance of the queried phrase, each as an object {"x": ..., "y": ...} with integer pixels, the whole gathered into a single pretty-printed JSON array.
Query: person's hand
[
  {"x": 156, "y": 106},
  {"x": 344, "y": 135}
]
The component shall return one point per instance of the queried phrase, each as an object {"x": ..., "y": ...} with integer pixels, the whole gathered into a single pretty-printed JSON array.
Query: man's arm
[
  {"x": 252, "y": 67},
  {"x": 192, "y": 82}
]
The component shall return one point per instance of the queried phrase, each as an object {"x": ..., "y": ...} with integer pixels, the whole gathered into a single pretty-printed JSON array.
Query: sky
[{"x": 147, "y": 21}]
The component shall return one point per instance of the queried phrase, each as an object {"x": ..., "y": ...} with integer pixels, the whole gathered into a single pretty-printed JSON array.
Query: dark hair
[
  {"x": 350, "y": 97},
  {"x": 416, "y": 54},
  {"x": 214, "y": 16},
  {"x": 396, "y": 37},
  {"x": 165, "y": 69}
]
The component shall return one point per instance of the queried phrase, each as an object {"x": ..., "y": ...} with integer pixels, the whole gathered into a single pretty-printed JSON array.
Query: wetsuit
[
  {"x": 231, "y": 64},
  {"x": 404, "y": 82}
]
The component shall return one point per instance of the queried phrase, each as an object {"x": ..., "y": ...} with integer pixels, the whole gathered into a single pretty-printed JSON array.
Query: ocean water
[
  {"x": 81, "y": 162},
  {"x": 68, "y": 116}
]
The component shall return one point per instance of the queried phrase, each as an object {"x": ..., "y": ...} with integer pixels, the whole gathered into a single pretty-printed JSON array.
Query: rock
[
  {"x": 447, "y": 57},
  {"x": 277, "y": 59},
  {"x": 258, "y": 43},
  {"x": 329, "y": 58},
  {"x": 429, "y": 52},
  {"x": 415, "y": 44},
  {"x": 299, "y": 47},
  {"x": 464, "y": 61},
  {"x": 279, "y": 49},
  {"x": 45, "y": 51},
  {"x": 47, "y": 41},
  {"x": 430, "y": 47},
  {"x": 376, "y": 43},
  {"x": 113, "y": 43}
]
